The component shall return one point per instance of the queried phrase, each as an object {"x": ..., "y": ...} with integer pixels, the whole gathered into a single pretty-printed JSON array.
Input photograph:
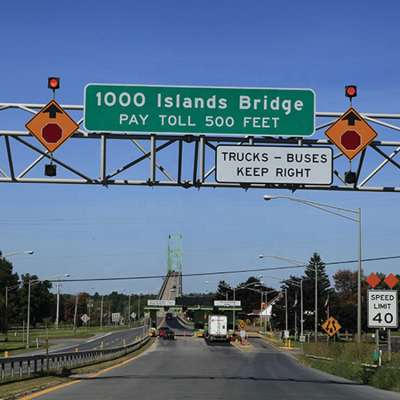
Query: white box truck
[{"x": 217, "y": 329}]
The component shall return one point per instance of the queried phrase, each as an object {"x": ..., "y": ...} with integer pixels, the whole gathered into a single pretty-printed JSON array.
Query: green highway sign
[{"x": 199, "y": 110}]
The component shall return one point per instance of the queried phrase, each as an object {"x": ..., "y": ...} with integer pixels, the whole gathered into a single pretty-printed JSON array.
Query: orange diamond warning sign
[
  {"x": 351, "y": 133},
  {"x": 52, "y": 126},
  {"x": 331, "y": 326}
]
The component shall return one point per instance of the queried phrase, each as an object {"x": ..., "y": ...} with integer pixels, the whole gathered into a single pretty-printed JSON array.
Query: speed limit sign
[{"x": 382, "y": 309}]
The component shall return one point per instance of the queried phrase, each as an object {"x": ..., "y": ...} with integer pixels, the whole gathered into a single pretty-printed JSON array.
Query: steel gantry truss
[{"x": 179, "y": 160}]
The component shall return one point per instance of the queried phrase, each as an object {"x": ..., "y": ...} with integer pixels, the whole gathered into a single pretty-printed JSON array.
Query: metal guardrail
[{"x": 14, "y": 368}]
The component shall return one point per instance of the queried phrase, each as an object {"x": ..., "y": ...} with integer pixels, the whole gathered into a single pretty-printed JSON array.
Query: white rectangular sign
[
  {"x": 382, "y": 309},
  {"x": 227, "y": 303},
  {"x": 161, "y": 303},
  {"x": 274, "y": 164},
  {"x": 115, "y": 316}
]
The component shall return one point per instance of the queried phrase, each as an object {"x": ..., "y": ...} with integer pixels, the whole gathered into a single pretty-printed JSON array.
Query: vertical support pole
[
  {"x": 103, "y": 159},
  {"x": 286, "y": 311},
  {"x": 301, "y": 309},
  {"x": 9, "y": 155},
  {"x": 28, "y": 318},
  {"x": 316, "y": 305},
  {"x": 202, "y": 159},
  {"x": 101, "y": 311},
  {"x": 6, "y": 315},
  {"x": 58, "y": 305},
  {"x": 359, "y": 272},
  {"x": 152, "y": 158},
  {"x": 234, "y": 310},
  {"x": 129, "y": 311},
  {"x": 195, "y": 161},
  {"x": 389, "y": 345},
  {"x": 180, "y": 154},
  {"x": 138, "y": 307},
  {"x": 76, "y": 311}
]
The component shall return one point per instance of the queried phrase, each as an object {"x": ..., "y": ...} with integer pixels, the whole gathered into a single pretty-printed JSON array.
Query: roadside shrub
[{"x": 386, "y": 378}]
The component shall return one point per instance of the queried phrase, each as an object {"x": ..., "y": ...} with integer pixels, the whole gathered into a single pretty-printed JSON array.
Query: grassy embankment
[{"x": 347, "y": 360}]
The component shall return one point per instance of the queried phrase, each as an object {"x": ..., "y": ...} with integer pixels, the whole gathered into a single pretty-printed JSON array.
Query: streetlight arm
[
  {"x": 324, "y": 208},
  {"x": 320, "y": 206}
]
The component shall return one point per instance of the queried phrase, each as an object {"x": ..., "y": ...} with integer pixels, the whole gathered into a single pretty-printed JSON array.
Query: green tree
[
  {"x": 9, "y": 280},
  {"x": 42, "y": 300},
  {"x": 324, "y": 291},
  {"x": 223, "y": 291}
]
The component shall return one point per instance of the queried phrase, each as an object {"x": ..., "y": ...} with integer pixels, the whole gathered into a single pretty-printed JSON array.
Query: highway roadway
[{"x": 189, "y": 369}]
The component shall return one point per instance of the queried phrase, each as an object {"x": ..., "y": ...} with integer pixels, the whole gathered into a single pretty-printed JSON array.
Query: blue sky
[{"x": 90, "y": 231}]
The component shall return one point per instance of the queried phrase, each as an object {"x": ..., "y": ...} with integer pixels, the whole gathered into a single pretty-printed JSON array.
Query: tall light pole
[
  {"x": 316, "y": 305},
  {"x": 286, "y": 311},
  {"x": 296, "y": 283},
  {"x": 101, "y": 310},
  {"x": 58, "y": 301},
  {"x": 28, "y": 314},
  {"x": 343, "y": 213},
  {"x": 234, "y": 298}
]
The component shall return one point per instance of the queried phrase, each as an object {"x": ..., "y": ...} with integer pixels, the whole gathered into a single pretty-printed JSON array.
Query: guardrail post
[
  {"x": 20, "y": 368},
  {"x": 2, "y": 371}
]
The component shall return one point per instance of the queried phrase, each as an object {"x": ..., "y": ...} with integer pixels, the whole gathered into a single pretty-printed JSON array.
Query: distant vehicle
[
  {"x": 217, "y": 329},
  {"x": 168, "y": 316},
  {"x": 169, "y": 334},
  {"x": 162, "y": 331}
]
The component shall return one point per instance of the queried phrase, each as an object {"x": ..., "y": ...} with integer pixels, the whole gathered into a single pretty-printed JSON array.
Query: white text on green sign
[{"x": 199, "y": 110}]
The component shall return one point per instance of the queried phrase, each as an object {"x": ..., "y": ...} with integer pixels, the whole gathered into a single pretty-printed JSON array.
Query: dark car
[{"x": 169, "y": 334}]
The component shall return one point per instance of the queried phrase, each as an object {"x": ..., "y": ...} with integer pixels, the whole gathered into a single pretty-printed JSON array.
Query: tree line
[
  {"x": 337, "y": 297},
  {"x": 43, "y": 302}
]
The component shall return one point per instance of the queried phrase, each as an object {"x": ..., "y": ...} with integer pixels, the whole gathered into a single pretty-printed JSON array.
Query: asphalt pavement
[
  {"x": 189, "y": 369},
  {"x": 106, "y": 340}
]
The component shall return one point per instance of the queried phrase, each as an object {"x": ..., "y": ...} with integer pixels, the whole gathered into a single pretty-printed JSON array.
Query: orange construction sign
[
  {"x": 331, "y": 326},
  {"x": 351, "y": 133},
  {"x": 52, "y": 126}
]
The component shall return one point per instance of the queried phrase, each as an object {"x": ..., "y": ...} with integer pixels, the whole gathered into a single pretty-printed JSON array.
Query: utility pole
[
  {"x": 234, "y": 310},
  {"x": 286, "y": 311},
  {"x": 129, "y": 311},
  {"x": 316, "y": 305},
  {"x": 76, "y": 311},
  {"x": 138, "y": 307},
  {"x": 301, "y": 309},
  {"x": 6, "y": 314},
  {"x": 28, "y": 318},
  {"x": 58, "y": 305},
  {"x": 359, "y": 272},
  {"x": 101, "y": 311}
]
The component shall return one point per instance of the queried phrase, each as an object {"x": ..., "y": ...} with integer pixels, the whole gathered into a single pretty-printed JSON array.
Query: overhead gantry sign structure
[{"x": 186, "y": 127}]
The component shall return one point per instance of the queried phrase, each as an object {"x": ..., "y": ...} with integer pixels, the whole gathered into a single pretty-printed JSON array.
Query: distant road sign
[
  {"x": 382, "y": 309},
  {"x": 199, "y": 110},
  {"x": 331, "y": 326},
  {"x": 227, "y": 303},
  {"x": 52, "y": 126},
  {"x": 116, "y": 317},
  {"x": 85, "y": 318},
  {"x": 274, "y": 164},
  {"x": 351, "y": 133},
  {"x": 133, "y": 315},
  {"x": 161, "y": 303}
]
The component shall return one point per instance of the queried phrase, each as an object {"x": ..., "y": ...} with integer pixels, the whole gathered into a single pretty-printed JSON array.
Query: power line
[{"x": 233, "y": 271}]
